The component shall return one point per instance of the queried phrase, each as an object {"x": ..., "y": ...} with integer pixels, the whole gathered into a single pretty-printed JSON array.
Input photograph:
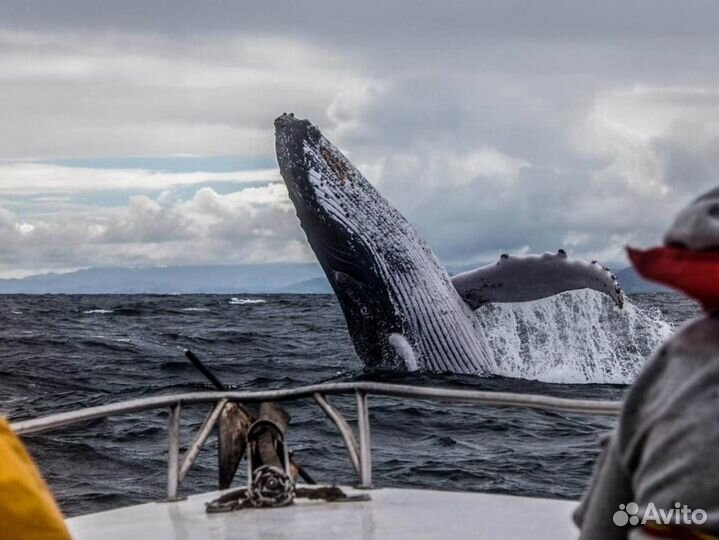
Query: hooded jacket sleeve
[{"x": 27, "y": 509}]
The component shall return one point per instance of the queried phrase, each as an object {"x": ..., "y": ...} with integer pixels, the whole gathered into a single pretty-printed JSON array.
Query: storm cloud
[{"x": 504, "y": 126}]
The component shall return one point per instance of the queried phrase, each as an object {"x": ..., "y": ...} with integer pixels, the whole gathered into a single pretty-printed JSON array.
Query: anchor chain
[{"x": 270, "y": 487}]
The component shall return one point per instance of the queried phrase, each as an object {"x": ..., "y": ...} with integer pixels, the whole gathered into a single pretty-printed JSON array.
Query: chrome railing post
[
  {"x": 202, "y": 435},
  {"x": 365, "y": 445},
  {"x": 173, "y": 451},
  {"x": 344, "y": 429}
]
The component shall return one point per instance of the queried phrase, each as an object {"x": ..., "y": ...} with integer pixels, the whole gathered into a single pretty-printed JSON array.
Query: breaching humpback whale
[{"x": 401, "y": 307}]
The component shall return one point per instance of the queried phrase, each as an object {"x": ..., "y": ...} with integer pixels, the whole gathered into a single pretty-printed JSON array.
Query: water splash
[{"x": 575, "y": 337}]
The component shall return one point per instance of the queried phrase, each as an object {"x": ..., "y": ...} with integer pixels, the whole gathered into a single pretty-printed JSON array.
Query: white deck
[{"x": 392, "y": 514}]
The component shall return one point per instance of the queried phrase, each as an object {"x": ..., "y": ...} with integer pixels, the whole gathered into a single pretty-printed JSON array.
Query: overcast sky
[{"x": 140, "y": 133}]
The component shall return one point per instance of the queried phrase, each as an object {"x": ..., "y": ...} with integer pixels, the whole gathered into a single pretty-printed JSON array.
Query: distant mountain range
[
  {"x": 224, "y": 279},
  {"x": 221, "y": 279}
]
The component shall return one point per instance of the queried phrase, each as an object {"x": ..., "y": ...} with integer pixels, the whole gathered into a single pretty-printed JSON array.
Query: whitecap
[
  {"x": 196, "y": 309},
  {"x": 243, "y": 301},
  {"x": 98, "y": 311}
]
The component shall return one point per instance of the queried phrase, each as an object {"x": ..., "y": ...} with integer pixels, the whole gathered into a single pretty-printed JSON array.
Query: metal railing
[{"x": 359, "y": 452}]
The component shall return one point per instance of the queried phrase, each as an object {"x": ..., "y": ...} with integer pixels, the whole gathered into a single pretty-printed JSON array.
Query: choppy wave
[
  {"x": 196, "y": 309},
  {"x": 243, "y": 301},
  {"x": 576, "y": 337},
  {"x": 55, "y": 358}
]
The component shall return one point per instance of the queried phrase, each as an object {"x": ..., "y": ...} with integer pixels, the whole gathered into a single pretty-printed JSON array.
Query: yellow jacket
[{"x": 27, "y": 509}]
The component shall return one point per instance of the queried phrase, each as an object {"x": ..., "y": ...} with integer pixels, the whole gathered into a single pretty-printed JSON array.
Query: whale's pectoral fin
[
  {"x": 404, "y": 351},
  {"x": 520, "y": 279}
]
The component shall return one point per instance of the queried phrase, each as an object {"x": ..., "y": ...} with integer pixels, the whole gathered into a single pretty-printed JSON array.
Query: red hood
[{"x": 695, "y": 273}]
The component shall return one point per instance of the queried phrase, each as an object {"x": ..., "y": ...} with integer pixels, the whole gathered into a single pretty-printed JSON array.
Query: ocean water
[{"x": 61, "y": 352}]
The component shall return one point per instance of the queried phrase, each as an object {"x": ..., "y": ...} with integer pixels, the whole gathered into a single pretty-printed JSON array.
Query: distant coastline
[{"x": 301, "y": 278}]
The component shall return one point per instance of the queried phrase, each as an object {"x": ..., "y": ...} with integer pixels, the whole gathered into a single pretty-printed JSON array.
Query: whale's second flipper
[{"x": 520, "y": 279}]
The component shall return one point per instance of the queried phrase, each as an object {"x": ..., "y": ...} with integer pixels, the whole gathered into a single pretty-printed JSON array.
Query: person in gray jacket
[{"x": 658, "y": 474}]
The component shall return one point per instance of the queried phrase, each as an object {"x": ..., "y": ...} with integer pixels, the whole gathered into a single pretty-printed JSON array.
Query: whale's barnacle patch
[{"x": 333, "y": 163}]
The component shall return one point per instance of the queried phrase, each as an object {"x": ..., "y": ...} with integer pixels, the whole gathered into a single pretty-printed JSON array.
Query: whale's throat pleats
[{"x": 443, "y": 332}]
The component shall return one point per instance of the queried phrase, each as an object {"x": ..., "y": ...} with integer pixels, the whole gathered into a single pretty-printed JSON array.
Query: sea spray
[{"x": 575, "y": 337}]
